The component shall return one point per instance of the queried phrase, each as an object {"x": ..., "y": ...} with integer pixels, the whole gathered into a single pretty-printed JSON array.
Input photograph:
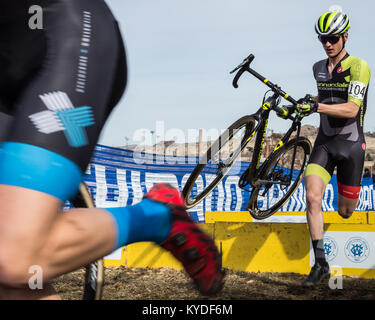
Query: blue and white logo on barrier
[
  {"x": 357, "y": 249},
  {"x": 330, "y": 248}
]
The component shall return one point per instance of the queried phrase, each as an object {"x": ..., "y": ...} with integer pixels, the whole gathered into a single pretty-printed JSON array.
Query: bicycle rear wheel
[
  {"x": 94, "y": 272},
  {"x": 218, "y": 160},
  {"x": 277, "y": 180}
]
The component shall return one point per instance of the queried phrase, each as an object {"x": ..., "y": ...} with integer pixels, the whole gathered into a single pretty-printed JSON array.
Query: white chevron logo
[
  {"x": 63, "y": 116},
  {"x": 48, "y": 121}
]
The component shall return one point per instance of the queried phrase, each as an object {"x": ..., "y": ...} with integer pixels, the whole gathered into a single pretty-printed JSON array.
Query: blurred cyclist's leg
[
  {"x": 58, "y": 108},
  {"x": 36, "y": 234},
  {"x": 47, "y": 293},
  {"x": 55, "y": 128}
]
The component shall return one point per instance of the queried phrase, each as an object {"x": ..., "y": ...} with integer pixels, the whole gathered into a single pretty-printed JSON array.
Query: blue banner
[{"x": 118, "y": 177}]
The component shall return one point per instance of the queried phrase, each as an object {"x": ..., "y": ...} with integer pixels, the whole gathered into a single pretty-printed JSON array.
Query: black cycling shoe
[{"x": 317, "y": 273}]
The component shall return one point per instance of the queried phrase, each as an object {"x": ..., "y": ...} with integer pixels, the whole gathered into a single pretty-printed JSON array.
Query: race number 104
[{"x": 357, "y": 90}]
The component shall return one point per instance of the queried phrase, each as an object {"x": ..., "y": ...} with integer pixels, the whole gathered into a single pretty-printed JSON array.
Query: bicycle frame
[
  {"x": 262, "y": 117},
  {"x": 260, "y": 129}
]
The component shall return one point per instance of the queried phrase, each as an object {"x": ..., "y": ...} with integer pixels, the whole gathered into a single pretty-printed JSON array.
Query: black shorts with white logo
[{"x": 63, "y": 69}]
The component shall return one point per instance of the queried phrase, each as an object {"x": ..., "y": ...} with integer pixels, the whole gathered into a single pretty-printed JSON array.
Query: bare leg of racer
[{"x": 37, "y": 233}]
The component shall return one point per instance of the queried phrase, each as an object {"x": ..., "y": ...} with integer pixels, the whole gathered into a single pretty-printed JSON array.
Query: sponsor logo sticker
[
  {"x": 330, "y": 248},
  {"x": 357, "y": 249}
]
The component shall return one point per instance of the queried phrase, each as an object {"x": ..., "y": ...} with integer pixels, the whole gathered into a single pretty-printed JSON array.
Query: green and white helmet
[{"x": 331, "y": 23}]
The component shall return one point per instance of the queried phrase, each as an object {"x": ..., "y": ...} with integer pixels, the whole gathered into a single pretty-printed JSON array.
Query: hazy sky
[{"x": 179, "y": 55}]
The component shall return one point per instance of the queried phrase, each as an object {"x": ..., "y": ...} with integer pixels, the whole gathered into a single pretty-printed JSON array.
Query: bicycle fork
[{"x": 276, "y": 175}]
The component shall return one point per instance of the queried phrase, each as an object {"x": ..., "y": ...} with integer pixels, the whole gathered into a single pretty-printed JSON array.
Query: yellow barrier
[{"x": 255, "y": 246}]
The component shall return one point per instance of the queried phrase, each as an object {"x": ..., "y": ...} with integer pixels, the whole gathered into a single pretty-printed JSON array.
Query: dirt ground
[{"x": 123, "y": 283}]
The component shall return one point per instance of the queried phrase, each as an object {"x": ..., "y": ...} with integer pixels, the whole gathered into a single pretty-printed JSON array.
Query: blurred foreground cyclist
[{"x": 58, "y": 85}]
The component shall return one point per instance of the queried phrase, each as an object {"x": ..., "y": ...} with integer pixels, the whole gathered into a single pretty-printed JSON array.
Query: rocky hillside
[{"x": 193, "y": 149}]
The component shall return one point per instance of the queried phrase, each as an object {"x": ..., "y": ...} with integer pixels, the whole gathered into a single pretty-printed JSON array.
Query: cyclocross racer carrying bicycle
[
  {"x": 342, "y": 82},
  {"x": 58, "y": 84}
]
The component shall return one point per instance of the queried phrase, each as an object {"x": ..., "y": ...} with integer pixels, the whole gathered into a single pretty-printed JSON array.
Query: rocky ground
[{"x": 122, "y": 283}]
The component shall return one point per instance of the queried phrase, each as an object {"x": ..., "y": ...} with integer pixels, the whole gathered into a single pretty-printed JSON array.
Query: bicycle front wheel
[
  {"x": 218, "y": 160},
  {"x": 279, "y": 177}
]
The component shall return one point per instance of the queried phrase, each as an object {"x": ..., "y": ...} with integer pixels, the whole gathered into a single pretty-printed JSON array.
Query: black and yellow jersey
[{"x": 348, "y": 82}]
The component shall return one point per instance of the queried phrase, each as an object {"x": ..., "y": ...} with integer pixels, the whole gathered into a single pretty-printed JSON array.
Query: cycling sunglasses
[{"x": 330, "y": 39}]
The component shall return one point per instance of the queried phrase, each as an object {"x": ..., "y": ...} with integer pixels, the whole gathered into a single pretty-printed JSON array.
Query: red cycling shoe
[{"x": 188, "y": 243}]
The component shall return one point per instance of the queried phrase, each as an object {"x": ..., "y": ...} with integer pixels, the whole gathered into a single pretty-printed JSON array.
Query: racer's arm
[
  {"x": 343, "y": 110},
  {"x": 359, "y": 80}
]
